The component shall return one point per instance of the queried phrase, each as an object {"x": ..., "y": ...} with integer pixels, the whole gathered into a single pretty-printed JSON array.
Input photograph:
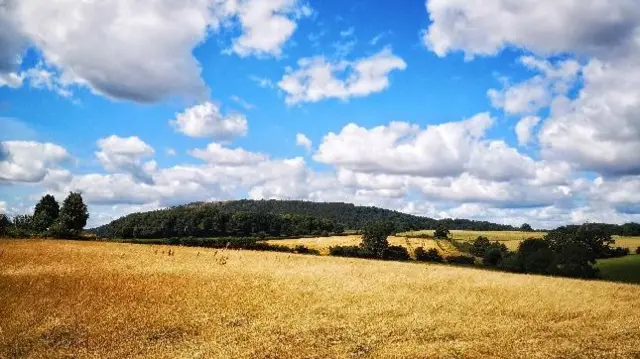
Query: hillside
[
  {"x": 110, "y": 300},
  {"x": 341, "y": 216}
]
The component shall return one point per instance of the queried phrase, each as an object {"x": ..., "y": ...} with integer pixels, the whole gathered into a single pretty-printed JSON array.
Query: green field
[{"x": 623, "y": 269}]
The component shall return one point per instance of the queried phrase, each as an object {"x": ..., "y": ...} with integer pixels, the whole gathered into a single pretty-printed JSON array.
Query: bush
[
  {"x": 432, "y": 255},
  {"x": 462, "y": 259},
  {"x": 479, "y": 246},
  {"x": 351, "y": 251},
  {"x": 638, "y": 250},
  {"x": 618, "y": 252},
  {"x": 492, "y": 257},
  {"x": 397, "y": 253},
  {"x": 374, "y": 237},
  {"x": 441, "y": 233},
  {"x": 304, "y": 250}
]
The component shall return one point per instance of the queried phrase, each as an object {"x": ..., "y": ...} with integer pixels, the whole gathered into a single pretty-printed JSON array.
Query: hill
[
  {"x": 272, "y": 217},
  {"x": 110, "y": 300}
]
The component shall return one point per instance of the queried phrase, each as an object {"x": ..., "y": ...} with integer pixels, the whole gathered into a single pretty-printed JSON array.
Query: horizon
[{"x": 434, "y": 108}]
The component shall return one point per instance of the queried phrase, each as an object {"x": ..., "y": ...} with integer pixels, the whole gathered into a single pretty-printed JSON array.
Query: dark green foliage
[
  {"x": 441, "y": 232},
  {"x": 431, "y": 255},
  {"x": 492, "y": 257},
  {"x": 461, "y": 259},
  {"x": 596, "y": 237},
  {"x": 46, "y": 213},
  {"x": 617, "y": 252},
  {"x": 481, "y": 245},
  {"x": 337, "y": 216},
  {"x": 574, "y": 259},
  {"x": 374, "y": 236},
  {"x": 73, "y": 217},
  {"x": 396, "y": 253},
  {"x": 21, "y": 226},
  {"x": 210, "y": 221},
  {"x": 4, "y": 225},
  {"x": 352, "y": 251},
  {"x": 526, "y": 227},
  {"x": 630, "y": 229},
  {"x": 535, "y": 256},
  {"x": 300, "y": 249}
]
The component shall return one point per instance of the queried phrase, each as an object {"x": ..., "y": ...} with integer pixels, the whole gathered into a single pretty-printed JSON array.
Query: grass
[
  {"x": 622, "y": 269},
  {"x": 112, "y": 300}
]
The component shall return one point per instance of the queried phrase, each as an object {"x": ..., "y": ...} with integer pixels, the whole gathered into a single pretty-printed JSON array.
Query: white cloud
[
  {"x": 139, "y": 50},
  {"x": 170, "y": 151},
  {"x": 318, "y": 79},
  {"x": 524, "y": 129},
  {"x": 594, "y": 27},
  {"x": 216, "y": 154},
  {"x": 246, "y": 105},
  {"x": 303, "y": 141},
  {"x": 125, "y": 154},
  {"x": 11, "y": 79},
  {"x": 206, "y": 120},
  {"x": 529, "y": 96},
  {"x": 28, "y": 161},
  {"x": 347, "y": 32}
]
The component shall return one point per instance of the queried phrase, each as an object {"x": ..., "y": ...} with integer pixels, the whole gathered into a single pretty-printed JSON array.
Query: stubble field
[{"x": 111, "y": 300}]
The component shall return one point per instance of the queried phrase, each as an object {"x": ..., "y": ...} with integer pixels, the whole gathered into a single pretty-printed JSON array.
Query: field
[
  {"x": 112, "y": 300},
  {"x": 322, "y": 244},
  {"x": 623, "y": 269}
]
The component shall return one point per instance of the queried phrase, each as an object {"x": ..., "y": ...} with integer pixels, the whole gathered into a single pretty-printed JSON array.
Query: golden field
[
  {"x": 109, "y": 300},
  {"x": 322, "y": 244}
]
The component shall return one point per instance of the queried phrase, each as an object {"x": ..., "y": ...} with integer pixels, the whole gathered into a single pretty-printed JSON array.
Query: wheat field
[
  {"x": 322, "y": 244},
  {"x": 63, "y": 299}
]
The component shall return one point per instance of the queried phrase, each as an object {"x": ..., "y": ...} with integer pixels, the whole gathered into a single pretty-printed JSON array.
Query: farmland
[
  {"x": 623, "y": 269},
  {"x": 113, "y": 300}
]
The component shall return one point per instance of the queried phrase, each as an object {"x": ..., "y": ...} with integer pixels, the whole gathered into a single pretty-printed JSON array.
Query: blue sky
[{"x": 443, "y": 109}]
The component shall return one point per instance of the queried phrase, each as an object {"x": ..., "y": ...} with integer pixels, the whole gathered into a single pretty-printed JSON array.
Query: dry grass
[
  {"x": 628, "y": 242},
  {"x": 108, "y": 300},
  {"x": 322, "y": 244}
]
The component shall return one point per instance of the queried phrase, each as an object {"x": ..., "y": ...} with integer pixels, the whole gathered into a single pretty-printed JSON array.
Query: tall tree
[
  {"x": 4, "y": 224},
  {"x": 73, "y": 215},
  {"x": 46, "y": 213},
  {"x": 374, "y": 236}
]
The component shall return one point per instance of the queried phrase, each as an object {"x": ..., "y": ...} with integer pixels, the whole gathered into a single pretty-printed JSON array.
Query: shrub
[
  {"x": 492, "y": 257},
  {"x": 351, "y": 251},
  {"x": 398, "y": 253},
  {"x": 638, "y": 250},
  {"x": 462, "y": 259},
  {"x": 441, "y": 233},
  {"x": 479, "y": 246},
  {"x": 374, "y": 237},
  {"x": 618, "y": 252},
  {"x": 304, "y": 250},
  {"x": 432, "y": 255}
]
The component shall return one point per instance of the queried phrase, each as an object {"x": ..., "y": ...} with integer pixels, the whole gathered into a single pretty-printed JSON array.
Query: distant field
[
  {"x": 510, "y": 238},
  {"x": 323, "y": 243},
  {"x": 111, "y": 300},
  {"x": 623, "y": 269}
]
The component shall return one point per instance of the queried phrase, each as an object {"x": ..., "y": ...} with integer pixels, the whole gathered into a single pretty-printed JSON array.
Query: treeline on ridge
[
  {"x": 271, "y": 218},
  {"x": 211, "y": 221}
]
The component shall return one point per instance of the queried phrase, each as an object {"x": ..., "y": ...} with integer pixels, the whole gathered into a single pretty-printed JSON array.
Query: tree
[
  {"x": 4, "y": 224},
  {"x": 441, "y": 232},
  {"x": 526, "y": 227},
  {"x": 596, "y": 237},
  {"x": 374, "y": 237},
  {"x": 46, "y": 213},
  {"x": 73, "y": 216}
]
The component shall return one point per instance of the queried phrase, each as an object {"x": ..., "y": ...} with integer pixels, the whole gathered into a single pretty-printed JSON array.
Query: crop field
[
  {"x": 322, "y": 244},
  {"x": 112, "y": 300}
]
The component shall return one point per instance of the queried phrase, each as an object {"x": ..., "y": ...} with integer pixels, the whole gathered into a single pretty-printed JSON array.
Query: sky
[{"x": 501, "y": 110}]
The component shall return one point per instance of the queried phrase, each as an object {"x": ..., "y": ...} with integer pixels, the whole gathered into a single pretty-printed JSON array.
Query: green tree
[
  {"x": 597, "y": 238},
  {"x": 441, "y": 232},
  {"x": 374, "y": 237},
  {"x": 46, "y": 213},
  {"x": 73, "y": 216},
  {"x": 4, "y": 224},
  {"x": 526, "y": 227}
]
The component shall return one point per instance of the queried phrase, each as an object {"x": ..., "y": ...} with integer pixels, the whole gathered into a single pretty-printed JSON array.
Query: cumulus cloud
[
  {"x": 125, "y": 154},
  {"x": 29, "y": 161},
  {"x": 139, "y": 50},
  {"x": 206, "y": 120},
  {"x": 593, "y": 27},
  {"x": 216, "y": 154},
  {"x": 317, "y": 78},
  {"x": 303, "y": 141},
  {"x": 530, "y": 96},
  {"x": 524, "y": 129}
]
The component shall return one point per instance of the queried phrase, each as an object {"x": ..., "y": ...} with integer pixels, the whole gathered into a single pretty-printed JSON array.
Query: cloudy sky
[{"x": 507, "y": 110}]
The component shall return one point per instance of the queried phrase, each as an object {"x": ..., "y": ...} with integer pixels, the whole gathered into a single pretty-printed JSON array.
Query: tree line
[
  {"x": 48, "y": 219},
  {"x": 211, "y": 221}
]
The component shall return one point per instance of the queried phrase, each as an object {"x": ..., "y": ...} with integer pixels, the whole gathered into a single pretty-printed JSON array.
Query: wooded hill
[{"x": 270, "y": 218}]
